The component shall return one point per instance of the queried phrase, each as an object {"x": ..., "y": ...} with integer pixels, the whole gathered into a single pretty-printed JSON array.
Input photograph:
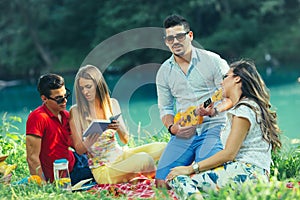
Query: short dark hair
[
  {"x": 49, "y": 82},
  {"x": 175, "y": 20}
]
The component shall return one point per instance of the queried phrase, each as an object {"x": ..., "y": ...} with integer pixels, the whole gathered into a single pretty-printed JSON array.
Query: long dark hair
[{"x": 254, "y": 88}]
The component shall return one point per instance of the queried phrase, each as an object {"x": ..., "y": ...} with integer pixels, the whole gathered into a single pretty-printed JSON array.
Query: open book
[
  {"x": 82, "y": 185},
  {"x": 99, "y": 126}
]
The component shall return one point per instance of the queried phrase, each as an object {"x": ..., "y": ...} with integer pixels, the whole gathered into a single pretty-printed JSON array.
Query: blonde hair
[{"x": 91, "y": 72}]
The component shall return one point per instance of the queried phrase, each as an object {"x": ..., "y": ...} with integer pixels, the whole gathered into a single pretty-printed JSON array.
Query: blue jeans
[
  {"x": 81, "y": 169},
  {"x": 182, "y": 152}
]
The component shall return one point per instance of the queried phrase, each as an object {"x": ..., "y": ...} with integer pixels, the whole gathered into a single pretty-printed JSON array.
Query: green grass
[{"x": 286, "y": 169}]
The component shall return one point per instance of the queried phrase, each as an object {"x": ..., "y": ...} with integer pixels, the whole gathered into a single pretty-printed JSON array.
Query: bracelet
[
  {"x": 37, "y": 169},
  {"x": 169, "y": 129}
]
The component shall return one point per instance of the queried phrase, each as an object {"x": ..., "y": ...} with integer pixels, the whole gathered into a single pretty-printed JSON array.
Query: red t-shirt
[{"x": 55, "y": 137}]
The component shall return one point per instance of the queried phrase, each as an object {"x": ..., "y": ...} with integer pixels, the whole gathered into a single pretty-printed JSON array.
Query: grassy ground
[{"x": 286, "y": 169}]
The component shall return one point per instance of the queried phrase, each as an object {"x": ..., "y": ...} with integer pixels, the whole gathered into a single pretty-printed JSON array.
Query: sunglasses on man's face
[
  {"x": 60, "y": 99},
  {"x": 179, "y": 37}
]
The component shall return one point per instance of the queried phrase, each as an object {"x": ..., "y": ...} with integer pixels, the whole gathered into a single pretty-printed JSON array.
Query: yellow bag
[{"x": 5, "y": 170}]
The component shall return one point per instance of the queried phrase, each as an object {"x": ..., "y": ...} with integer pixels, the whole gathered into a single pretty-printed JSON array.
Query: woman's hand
[
  {"x": 115, "y": 125},
  {"x": 181, "y": 170},
  {"x": 121, "y": 130},
  {"x": 90, "y": 140}
]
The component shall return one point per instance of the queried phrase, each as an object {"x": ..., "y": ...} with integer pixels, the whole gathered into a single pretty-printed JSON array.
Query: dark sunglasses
[
  {"x": 226, "y": 75},
  {"x": 60, "y": 100},
  {"x": 180, "y": 37}
]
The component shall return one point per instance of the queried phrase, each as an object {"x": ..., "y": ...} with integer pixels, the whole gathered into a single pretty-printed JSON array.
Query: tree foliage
[{"x": 38, "y": 36}]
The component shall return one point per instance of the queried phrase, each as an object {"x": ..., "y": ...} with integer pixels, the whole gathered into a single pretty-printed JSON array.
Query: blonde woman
[
  {"x": 251, "y": 132},
  {"x": 109, "y": 162}
]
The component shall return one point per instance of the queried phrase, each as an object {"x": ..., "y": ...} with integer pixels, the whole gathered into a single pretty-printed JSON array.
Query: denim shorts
[{"x": 182, "y": 152}]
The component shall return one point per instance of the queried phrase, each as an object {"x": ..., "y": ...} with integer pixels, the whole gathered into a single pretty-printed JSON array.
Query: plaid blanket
[
  {"x": 144, "y": 188},
  {"x": 138, "y": 188}
]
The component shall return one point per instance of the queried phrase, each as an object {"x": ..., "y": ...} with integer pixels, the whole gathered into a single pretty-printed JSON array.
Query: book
[
  {"x": 99, "y": 126},
  {"x": 96, "y": 126},
  {"x": 114, "y": 117},
  {"x": 82, "y": 185}
]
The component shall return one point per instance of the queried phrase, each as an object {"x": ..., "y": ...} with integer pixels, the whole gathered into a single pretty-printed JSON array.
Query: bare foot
[
  {"x": 161, "y": 184},
  {"x": 196, "y": 196}
]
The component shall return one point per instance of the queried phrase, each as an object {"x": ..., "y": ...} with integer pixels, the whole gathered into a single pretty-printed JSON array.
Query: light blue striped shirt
[{"x": 177, "y": 91}]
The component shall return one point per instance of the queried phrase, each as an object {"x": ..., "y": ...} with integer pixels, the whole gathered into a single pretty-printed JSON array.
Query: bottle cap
[
  {"x": 63, "y": 160},
  {"x": 61, "y": 164}
]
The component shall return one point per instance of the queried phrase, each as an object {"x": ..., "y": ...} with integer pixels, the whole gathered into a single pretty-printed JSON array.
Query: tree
[
  {"x": 23, "y": 44},
  {"x": 39, "y": 36}
]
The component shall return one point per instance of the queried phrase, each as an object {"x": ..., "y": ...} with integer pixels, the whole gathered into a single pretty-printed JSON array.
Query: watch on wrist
[
  {"x": 216, "y": 112},
  {"x": 169, "y": 129},
  {"x": 196, "y": 168}
]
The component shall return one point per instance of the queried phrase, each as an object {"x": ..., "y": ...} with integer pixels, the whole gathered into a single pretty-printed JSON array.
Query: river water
[{"x": 140, "y": 110}]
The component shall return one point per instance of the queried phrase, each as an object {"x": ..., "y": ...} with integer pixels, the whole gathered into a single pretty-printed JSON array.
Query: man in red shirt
[{"x": 48, "y": 132}]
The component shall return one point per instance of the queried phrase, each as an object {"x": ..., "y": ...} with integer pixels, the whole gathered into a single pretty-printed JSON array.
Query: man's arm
[
  {"x": 33, "y": 148},
  {"x": 168, "y": 120}
]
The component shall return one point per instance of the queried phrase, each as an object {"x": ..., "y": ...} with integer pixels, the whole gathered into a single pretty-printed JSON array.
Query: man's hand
[{"x": 183, "y": 132}]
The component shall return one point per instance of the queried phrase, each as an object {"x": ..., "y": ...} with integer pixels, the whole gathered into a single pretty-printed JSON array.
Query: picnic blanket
[
  {"x": 144, "y": 188},
  {"x": 138, "y": 188}
]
